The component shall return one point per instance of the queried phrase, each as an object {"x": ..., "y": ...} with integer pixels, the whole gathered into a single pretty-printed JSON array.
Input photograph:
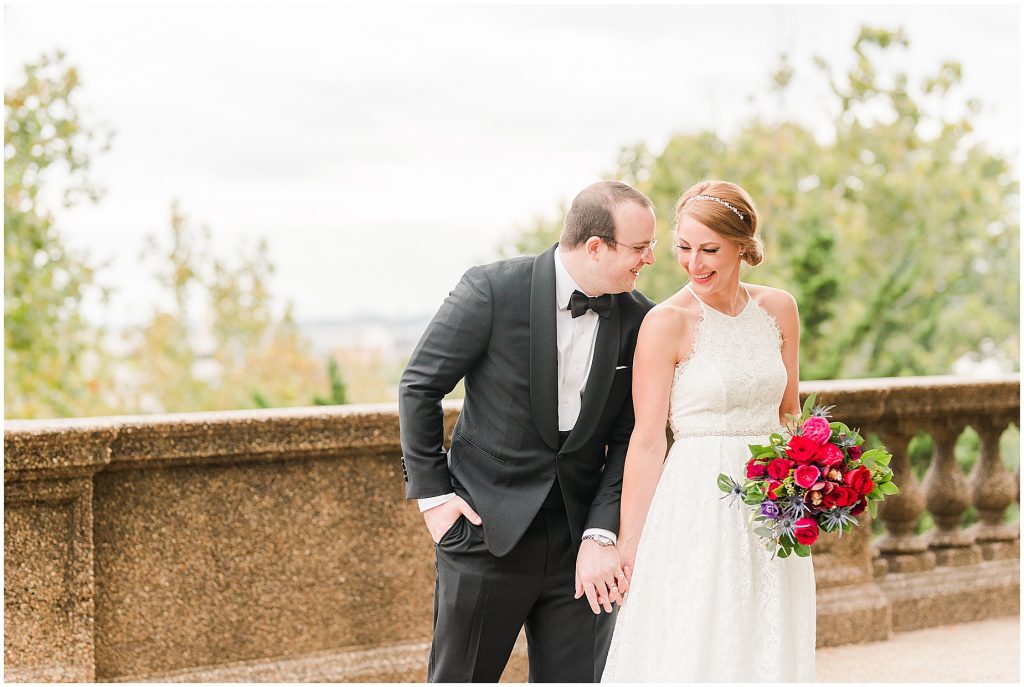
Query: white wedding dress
[{"x": 707, "y": 602}]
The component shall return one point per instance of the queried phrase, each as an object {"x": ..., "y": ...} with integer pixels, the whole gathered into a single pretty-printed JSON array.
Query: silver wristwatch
[{"x": 600, "y": 539}]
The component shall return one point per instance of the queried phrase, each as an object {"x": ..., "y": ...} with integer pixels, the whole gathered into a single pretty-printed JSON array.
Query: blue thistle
[
  {"x": 786, "y": 526},
  {"x": 837, "y": 518},
  {"x": 795, "y": 507},
  {"x": 731, "y": 488},
  {"x": 822, "y": 411}
]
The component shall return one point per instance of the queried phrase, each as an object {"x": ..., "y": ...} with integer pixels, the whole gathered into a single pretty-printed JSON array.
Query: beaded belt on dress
[{"x": 689, "y": 433}]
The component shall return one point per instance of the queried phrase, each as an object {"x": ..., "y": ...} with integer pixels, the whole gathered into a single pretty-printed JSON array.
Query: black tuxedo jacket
[{"x": 497, "y": 330}]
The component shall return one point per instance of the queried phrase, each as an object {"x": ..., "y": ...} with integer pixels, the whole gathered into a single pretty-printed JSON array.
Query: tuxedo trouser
[{"x": 481, "y": 602}]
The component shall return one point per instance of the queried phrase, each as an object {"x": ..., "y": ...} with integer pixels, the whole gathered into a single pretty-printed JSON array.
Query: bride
[{"x": 719, "y": 360}]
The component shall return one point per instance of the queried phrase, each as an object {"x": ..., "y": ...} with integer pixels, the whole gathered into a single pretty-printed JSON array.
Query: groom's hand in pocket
[
  {"x": 440, "y": 519},
  {"x": 598, "y": 575}
]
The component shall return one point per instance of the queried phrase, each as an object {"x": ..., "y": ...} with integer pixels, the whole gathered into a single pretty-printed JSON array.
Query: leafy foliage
[
  {"x": 217, "y": 344},
  {"x": 53, "y": 362},
  {"x": 898, "y": 235}
]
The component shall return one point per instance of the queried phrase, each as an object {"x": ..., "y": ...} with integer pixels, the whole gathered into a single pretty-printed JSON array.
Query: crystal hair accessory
[{"x": 719, "y": 200}]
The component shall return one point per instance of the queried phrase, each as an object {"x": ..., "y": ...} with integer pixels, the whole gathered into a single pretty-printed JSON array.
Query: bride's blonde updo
[{"x": 726, "y": 209}]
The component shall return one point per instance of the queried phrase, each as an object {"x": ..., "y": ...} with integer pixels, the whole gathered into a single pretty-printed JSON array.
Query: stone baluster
[
  {"x": 947, "y": 495},
  {"x": 901, "y": 547},
  {"x": 993, "y": 489}
]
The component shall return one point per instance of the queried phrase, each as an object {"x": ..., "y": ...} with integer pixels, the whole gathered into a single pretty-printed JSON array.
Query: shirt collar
[{"x": 564, "y": 283}]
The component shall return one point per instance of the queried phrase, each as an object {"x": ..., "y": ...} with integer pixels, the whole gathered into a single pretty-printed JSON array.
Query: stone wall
[{"x": 276, "y": 545}]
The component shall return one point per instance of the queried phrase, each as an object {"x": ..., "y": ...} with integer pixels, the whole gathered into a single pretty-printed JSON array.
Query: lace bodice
[{"x": 733, "y": 380}]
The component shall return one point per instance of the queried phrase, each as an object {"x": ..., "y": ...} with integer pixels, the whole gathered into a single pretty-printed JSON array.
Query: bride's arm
[
  {"x": 654, "y": 362},
  {"x": 787, "y": 316}
]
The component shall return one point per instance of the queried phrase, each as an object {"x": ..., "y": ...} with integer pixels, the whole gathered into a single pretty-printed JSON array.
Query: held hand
[
  {"x": 599, "y": 576},
  {"x": 627, "y": 557},
  {"x": 440, "y": 519}
]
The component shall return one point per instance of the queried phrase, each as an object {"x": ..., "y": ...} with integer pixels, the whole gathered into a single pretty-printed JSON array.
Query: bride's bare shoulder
[
  {"x": 669, "y": 326},
  {"x": 778, "y": 302}
]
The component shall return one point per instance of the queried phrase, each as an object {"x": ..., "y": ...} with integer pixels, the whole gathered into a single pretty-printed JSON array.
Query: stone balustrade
[{"x": 276, "y": 545}]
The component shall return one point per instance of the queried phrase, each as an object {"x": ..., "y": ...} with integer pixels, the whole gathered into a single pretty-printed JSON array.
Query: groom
[{"x": 524, "y": 506}]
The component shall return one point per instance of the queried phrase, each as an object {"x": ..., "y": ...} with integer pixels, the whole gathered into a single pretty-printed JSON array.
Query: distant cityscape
[{"x": 392, "y": 339}]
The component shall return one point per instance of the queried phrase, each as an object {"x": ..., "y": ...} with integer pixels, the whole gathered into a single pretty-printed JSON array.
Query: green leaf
[
  {"x": 784, "y": 553},
  {"x": 763, "y": 532},
  {"x": 776, "y": 439},
  {"x": 839, "y": 428},
  {"x": 808, "y": 404},
  {"x": 725, "y": 482},
  {"x": 753, "y": 498},
  {"x": 873, "y": 508},
  {"x": 884, "y": 458},
  {"x": 802, "y": 550},
  {"x": 889, "y": 488}
]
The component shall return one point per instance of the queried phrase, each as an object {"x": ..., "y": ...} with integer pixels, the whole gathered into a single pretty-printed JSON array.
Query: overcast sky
[{"x": 382, "y": 150}]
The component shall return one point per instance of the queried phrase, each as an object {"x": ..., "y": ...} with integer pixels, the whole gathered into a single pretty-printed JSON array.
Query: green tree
[
  {"x": 218, "y": 344},
  {"x": 897, "y": 234},
  {"x": 339, "y": 395},
  {"x": 53, "y": 361}
]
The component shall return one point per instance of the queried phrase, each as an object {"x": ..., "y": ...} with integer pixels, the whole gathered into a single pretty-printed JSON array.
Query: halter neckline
[{"x": 689, "y": 286}]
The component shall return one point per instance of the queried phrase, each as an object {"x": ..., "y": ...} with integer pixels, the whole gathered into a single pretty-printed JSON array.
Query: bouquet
[{"x": 818, "y": 479}]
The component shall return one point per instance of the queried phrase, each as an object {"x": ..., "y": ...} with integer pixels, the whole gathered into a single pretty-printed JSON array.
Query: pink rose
[
  {"x": 829, "y": 455},
  {"x": 801, "y": 449},
  {"x": 779, "y": 468},
  {"x": 806, "y": 531},
  {"x": 817, "y": 430},
  {"x": 755, "y": 469},
  {"x": 806, "y": 476}
]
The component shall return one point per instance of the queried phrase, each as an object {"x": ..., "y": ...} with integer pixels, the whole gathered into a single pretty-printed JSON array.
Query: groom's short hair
[{"x": 591, "y": 211}]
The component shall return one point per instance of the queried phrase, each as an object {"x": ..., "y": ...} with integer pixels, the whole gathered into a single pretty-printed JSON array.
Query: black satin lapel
[
  {"x": 544, "y": 349},
  {"x": 599, "y": 381}
]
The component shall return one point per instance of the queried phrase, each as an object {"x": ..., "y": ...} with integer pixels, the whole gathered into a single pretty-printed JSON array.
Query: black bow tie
[{"x": 580, "y": 303}]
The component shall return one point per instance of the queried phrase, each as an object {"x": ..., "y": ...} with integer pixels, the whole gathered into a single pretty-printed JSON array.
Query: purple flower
[{"x": 769, "y": 510}]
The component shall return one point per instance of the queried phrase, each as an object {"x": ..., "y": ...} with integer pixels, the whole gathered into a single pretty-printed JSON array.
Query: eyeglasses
[{"x": 641, "y": 251}]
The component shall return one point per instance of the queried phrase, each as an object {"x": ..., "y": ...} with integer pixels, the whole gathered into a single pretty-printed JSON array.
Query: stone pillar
[
  {"x": 993, "y": 489},
  {"x": 49, "y": 585},
  {"x": 901, "y": 547},
  {"x": 947, "y": 495},
  {"x": 851, "y": 606}
]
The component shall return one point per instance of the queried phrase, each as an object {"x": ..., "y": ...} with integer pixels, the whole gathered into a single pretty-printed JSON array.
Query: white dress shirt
[{"x": 575, "y": 340}]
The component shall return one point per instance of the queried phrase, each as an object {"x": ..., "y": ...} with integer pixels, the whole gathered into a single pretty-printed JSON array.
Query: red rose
[
  {"x": 829, "y": 455},
  {"x": 859, "y": 508},
  {"x": 802, "y": 449},
  {"x": 841, "y": 497},
  {"x": 755, "y": 469},
  {"x": 806, "y": 531},
  {"x": 860, "y": 479},
  {"x": 772, "y": 486},
  {"x": 854, "y": 452},
  {"x": 779, "y": 468},
  {"x": 806, "y": 476}
]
